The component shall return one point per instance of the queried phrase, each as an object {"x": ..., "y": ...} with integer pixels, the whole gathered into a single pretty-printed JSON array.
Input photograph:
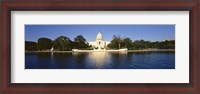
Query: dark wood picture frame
[{"x": 193, "y": 87}]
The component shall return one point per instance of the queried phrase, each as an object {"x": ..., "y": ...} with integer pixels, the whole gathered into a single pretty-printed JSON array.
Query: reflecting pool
[{"x": 101, "y": 60}]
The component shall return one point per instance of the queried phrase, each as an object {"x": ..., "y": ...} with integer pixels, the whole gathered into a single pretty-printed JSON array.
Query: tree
[
  {"x": 140, "y": 44},
  {"x": 167, "y": 44},
  {"x": 44, "y": 44},
  {"x": 115, "y": 42},
  {"x": 118, "y": 40},
  {"x": 127, "y": 43},
  {"x": 30, "y": 46},
  {"x": 62, "y": 43},
  {"x": 80, "y": 42},
  {"x": 155, "y": 44},
  {"x": 79, "y": 39}
]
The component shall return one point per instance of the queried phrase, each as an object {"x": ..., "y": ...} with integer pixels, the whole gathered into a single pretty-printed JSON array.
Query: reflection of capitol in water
[{"x": 99, "y": 58}]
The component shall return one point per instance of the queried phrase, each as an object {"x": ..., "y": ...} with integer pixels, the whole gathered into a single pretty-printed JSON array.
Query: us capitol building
[{"x": 99, "y": 43}]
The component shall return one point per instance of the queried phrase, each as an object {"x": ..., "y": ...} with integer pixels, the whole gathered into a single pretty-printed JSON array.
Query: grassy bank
[
  {"x": 143, "y": 50},
  {"x": 48, "y": 51},
  {"x": 148, "y": 50}
]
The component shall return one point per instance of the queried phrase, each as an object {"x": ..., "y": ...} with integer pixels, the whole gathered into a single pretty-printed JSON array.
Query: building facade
[{"x": 99, "y": 43}]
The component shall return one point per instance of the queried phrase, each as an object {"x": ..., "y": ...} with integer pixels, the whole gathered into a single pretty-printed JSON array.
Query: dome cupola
[{"x": 99, "y": 36}]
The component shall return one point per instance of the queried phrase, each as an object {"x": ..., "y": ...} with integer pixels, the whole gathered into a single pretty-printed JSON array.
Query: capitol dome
[{"x": 99, "y": 36}]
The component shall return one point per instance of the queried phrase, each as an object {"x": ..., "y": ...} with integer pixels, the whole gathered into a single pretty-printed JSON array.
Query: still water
[{"x": 101, "y": 60}]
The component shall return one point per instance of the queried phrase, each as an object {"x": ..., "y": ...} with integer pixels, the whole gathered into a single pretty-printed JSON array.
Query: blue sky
[{"x": 89, "y": 32}]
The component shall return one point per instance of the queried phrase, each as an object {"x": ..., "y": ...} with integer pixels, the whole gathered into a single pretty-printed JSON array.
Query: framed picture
[{"x": 100, "y": 46}]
